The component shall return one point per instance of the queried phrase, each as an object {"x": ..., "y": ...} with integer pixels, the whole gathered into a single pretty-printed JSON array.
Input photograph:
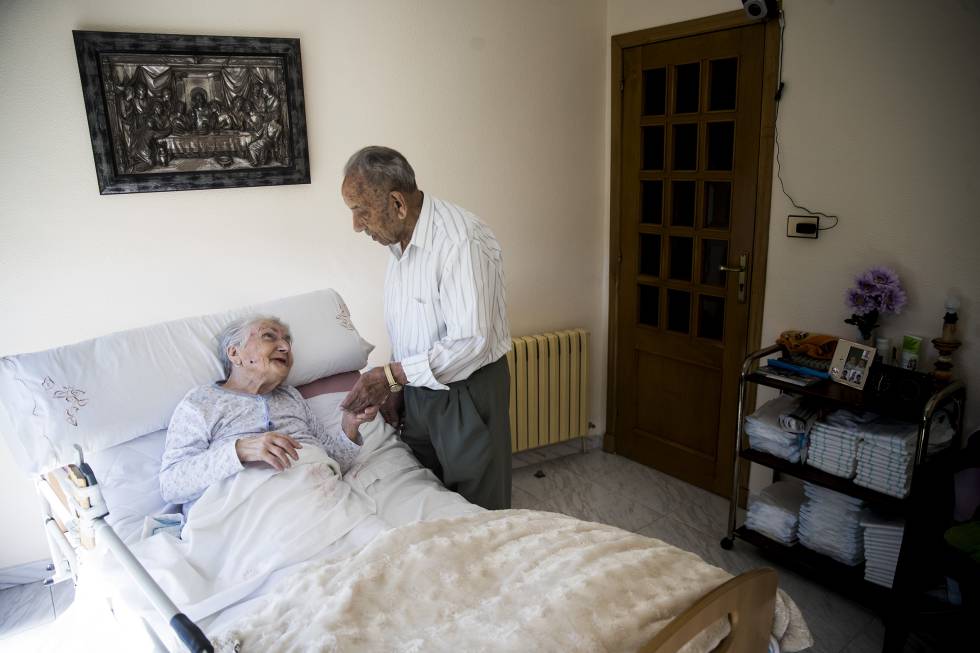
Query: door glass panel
[
  {"x": 654, "y": 92},
  {"x": 714, "y": 253},
  {"x": 717, "y": 204},
  {"x": 648, "y": 305},
  {"x": 650, "y": 254},
  {"x": 685, "y": 147},
  {"x": 682, "y": 195},
  {"x": 711, "y": 317},
  {"x": 722, "y": 84},
  {"x": 652, "y": 202},
  {"x": 653, "y": 148},
  {"x": 681, "y": 255},
  {"x": 687, "y": 88},
  {"x": 679, "y": 310},
  {"x": 721, "y": 145}
]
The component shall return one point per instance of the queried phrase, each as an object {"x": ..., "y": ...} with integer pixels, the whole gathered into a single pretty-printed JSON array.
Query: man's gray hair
[
  {"x": 382, "y": 168},
  {"x": 236, "y": 334}
]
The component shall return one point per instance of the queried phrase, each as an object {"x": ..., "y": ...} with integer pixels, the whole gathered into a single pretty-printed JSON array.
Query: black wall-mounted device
[
  {"x": 802, "y": 226},
  {"x": 760, "y": 9}
]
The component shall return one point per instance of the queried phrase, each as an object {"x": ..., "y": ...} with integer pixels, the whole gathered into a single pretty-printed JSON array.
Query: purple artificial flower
[
  {"x": 865, "y": 283},
  {"x": 877, "y": 289},
  {"x": 892, "y": 300},
  {"x": 859, "y": 301},
  {"x": 883, "y": 277}
]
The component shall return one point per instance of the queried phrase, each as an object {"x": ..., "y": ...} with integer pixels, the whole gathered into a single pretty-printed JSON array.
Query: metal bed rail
[{"x": 72, "y": 500}]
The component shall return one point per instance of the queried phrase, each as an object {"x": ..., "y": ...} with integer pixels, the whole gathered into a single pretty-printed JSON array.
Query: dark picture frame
[{"x": 173, "y": 112}]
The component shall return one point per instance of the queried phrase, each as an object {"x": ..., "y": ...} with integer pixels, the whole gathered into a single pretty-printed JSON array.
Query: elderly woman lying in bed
[
  {"x": 249, "y": 418},
  {"x": 261, "y": 479}
]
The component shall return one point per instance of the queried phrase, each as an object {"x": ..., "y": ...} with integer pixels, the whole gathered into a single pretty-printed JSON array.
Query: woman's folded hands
[{"x": 275, "y": 449}]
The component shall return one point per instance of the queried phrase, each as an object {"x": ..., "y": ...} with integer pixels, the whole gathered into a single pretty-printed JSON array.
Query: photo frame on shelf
[
  {"x": 851, "y": 364},
  {"x": 179, "y": 112}
]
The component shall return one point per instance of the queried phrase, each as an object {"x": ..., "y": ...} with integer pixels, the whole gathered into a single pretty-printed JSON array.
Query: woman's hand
[
  {"x": 350, "y": 422},
  {"x": 275, "y": 449}
]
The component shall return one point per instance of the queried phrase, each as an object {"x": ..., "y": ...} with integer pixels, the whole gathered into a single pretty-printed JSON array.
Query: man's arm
[
  {"x": 467, "y": 294},
  {"x": 470, "y": 279}
]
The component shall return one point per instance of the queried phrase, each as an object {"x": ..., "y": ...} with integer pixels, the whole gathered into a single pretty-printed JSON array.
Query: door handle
[{"x": 740, "y": 269}]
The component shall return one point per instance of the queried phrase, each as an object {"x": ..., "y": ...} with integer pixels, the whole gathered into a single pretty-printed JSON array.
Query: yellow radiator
[{"x": 549, "y": 388}]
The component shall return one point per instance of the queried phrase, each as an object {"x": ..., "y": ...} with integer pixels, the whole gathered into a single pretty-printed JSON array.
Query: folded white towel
[
  {"x": 799, "y": 418},
  {"x": 775, "y": 510}
]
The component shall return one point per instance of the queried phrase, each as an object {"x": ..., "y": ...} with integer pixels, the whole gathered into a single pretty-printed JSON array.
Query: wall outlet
[{"x": 802, "y": 226}]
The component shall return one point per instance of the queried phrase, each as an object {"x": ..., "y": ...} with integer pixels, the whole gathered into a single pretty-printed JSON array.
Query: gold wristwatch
[{"x": 393, "y": 385}]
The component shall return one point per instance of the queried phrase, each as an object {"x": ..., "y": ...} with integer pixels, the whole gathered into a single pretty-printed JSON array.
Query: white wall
[
  {"x": 498, "y": 106},
  {"x": 878, "y": 123}
]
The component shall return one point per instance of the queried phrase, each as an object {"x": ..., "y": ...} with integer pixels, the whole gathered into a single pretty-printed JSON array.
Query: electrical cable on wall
[{"x": 779, "y": 93}]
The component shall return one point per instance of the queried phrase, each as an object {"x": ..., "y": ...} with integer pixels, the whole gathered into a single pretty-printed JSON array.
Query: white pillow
[
  {"x": 129, "y": 475},
  {"x": 326, "y": 407},
  {"x": 102, "y": 392}
]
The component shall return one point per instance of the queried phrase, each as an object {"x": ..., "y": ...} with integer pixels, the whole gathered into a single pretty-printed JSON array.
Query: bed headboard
[{"x": 105, "y": 391}]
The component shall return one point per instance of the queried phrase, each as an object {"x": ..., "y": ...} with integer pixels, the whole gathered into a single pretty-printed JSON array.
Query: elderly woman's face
[{"x": 267, "y": 355}]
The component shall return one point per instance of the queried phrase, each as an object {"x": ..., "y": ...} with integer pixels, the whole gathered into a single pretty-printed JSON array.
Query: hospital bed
[{"x": 87, "y": 422}]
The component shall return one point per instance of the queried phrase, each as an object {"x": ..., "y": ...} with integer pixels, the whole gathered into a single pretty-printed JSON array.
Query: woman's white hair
[{"x": 236, "y": 334}]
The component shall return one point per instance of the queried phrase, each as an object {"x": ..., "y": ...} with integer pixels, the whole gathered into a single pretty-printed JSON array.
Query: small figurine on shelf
[{"x": 947, "y": 343}]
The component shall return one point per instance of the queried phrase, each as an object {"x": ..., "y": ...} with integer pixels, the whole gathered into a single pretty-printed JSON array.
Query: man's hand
[
  {"x": 350, "y": 422},
  {"x": 371, "y": 390},
  {"x": 393, "y": 409},
  {"x": 275, "y": 449}
]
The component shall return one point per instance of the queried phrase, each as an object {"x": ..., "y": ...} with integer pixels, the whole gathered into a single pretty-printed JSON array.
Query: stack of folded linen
[
  {"x": 775, "y": 512},
  {"x": 882, "y": 543},
  {"x": 833, "y": 450},
  {"x": 800, "y": 417},
  {"x": 885, "y": 458},
  {"x": 765, "y": 433},
  {"x": 833, "y": 441},
  {"x": 830, "y": 524},
  {"x": 941, "y": 432}
]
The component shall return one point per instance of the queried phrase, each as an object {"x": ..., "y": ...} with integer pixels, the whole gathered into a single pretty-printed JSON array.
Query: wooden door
[{"x": 689, "y": 142}]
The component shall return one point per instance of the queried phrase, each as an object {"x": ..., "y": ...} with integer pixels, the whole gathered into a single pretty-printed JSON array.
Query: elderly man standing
[{"x": 447, "y": 320}]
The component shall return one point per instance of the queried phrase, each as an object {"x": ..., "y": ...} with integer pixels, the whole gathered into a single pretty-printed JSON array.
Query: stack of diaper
[
  {"x": 885, "y": 458},
  {"x": 832, "y": 450},
  {"x": 775, "y": 511},
  {"x": 882, "y": 543},
  {"x": 830, "y": 524},
  {"x": 834, "y": 442}
]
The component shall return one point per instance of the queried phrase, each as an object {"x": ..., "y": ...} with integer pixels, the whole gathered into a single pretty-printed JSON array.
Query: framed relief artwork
[{"x": 177, "y": 112}]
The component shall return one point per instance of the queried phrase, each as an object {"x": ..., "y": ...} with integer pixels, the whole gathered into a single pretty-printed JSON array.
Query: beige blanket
[{"x": 514, "y": 580}]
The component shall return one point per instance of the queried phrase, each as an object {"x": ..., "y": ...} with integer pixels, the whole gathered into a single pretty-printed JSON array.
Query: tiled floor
[
  {"x": 598, "y": 487},
  {"x": 29, "y": 606}
]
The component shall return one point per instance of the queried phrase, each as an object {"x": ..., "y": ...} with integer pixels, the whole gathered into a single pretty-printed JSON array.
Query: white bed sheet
[{"x": 385, "y": 470}]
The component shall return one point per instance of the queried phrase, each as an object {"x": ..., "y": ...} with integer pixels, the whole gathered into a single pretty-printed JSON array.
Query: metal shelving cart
[{"x": 928, "y": 474}]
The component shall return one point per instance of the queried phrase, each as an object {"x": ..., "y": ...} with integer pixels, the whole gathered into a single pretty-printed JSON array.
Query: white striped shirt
[{"x": 444, "y": 297}]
